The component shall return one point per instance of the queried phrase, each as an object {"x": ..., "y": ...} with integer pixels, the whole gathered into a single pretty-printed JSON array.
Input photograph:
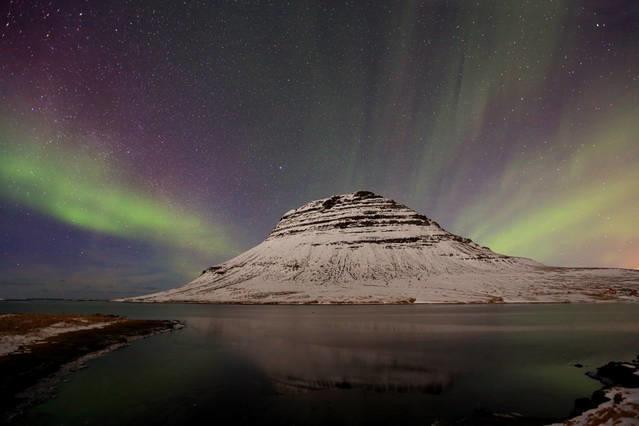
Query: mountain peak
[{"x": 361, "y": 209}]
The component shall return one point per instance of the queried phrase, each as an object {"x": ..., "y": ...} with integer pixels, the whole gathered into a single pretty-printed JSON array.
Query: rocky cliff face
[
  {"x": 364, "y": 248},
  {"x": 364, "y": 219}
]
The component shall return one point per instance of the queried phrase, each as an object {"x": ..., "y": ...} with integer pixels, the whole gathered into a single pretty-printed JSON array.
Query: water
[{"x": 341, "y": 364}]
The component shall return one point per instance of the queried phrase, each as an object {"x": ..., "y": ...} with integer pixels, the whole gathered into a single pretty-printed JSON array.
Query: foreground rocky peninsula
[
  {"x": 617, "y": 403},
  {"x": 38, "y": 350},
  {"x": 364, "y": 248}
]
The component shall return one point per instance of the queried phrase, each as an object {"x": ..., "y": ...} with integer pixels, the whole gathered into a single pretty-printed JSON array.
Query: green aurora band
[
  {"x": 576, "y": 201},
  {"x": 81, "y": 191}
]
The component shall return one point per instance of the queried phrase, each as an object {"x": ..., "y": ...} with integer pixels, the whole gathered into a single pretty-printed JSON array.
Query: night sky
[{"x": 142, "y": 141}]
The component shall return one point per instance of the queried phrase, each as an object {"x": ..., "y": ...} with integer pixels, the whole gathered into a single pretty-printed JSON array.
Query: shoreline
[
  {"x": 346, "y": 303},
  {"x": 187, "y": 302},
  {"x": 617, "y": 400},
  {"x": 32, "y": 372}
]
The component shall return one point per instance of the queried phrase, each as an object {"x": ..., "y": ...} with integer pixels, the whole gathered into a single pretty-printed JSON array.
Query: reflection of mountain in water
[
  {"x": 307, "y": 357},
  {"x": 393, "y": 379}
]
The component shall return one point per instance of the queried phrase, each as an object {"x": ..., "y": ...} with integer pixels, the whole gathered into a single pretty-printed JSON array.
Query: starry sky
[{"x": 142, "y": 141}]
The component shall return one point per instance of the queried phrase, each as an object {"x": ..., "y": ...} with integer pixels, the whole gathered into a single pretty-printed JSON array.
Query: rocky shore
[
  {"x": 617, "y": 403},
  {"x": 38, "y": 350}
]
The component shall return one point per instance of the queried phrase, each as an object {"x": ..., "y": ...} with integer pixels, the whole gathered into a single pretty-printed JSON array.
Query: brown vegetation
[{"x": 17, "y": 324}]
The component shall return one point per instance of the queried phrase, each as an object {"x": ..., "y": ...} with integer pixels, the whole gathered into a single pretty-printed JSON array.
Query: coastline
[
  {"x": 359, "y": 303},
  {"x": 32, "y": 372},
  {"x": 617, "y": 402},
  {"x": 131, "y": 300}
]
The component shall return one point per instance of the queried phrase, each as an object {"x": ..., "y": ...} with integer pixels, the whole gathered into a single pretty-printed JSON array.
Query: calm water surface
[{"x": 341, "y": 364}]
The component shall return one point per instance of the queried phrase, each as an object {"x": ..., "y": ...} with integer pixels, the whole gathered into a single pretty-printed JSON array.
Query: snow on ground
[
  {"x": 621, "y": 410},
  {"x": 20, "y": 342}
]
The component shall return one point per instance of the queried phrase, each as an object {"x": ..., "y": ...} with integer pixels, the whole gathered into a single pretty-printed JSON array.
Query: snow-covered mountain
[{"x": 364, "y": 248}]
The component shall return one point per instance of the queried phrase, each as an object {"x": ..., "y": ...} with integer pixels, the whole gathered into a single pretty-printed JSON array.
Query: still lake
[{"x": 341, "y": 364}]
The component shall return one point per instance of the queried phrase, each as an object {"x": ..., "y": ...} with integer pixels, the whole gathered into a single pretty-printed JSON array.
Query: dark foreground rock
[
  {"x": 617, "y": 402},
  {"x": 31, "y": 376},
  {"x": 618, "y": 373}
]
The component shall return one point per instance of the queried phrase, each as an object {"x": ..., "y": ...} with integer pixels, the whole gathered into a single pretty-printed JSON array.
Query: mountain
[{"x": 364, "y": 248}]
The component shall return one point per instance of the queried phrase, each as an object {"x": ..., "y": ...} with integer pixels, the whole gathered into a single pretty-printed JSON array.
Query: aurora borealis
[
  {"x": 143, "y": 141},
  {"x": 81, "y": 192}
]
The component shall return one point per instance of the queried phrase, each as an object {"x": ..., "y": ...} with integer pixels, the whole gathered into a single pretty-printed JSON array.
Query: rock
[{"x": 618, "y": 373}]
